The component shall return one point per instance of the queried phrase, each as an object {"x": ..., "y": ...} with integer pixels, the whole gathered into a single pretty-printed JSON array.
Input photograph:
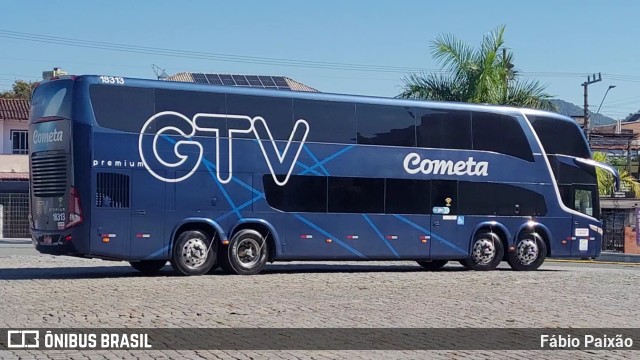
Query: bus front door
[{"x": 584, "y": 242}]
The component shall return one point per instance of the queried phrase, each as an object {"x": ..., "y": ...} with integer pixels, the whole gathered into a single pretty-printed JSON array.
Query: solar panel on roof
[
  {"x": 280, "y": 81},
  {"x": 214, "y": 79},
  {"x": 240, "y": 80},
  {"x": 254, "y": 81},
  {"x": 227, "y": 79},
  {"x": 199, "y": 78},
  {"x": 267, "y": 81}
]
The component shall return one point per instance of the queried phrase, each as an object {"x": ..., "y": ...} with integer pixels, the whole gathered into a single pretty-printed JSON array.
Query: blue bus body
[{"x": 121, "y": 167}]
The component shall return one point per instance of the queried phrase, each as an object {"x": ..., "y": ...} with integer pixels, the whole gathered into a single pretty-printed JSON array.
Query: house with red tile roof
[
  {"x": 14, "y": 168},
  {"x": 14, "y": 145}
]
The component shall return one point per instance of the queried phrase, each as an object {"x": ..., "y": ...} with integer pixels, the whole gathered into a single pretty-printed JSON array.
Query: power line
[
  {"x": 205, "y": 55},
  {"x": 101, "y": 45}
]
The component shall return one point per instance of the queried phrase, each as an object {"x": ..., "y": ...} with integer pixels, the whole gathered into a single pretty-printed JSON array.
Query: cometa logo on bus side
[{"x": 414, "y": 164}]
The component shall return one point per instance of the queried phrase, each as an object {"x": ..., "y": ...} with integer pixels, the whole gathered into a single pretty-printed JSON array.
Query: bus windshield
[{"x": 52, "y": 99}]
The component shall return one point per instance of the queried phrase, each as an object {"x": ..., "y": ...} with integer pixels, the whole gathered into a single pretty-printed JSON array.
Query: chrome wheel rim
[
  {"x": 527, "y": 251},
  {"x": 194, "y": 253},
  {"x": 248, "y": 253},
  {"x": 484, "y": 251}
]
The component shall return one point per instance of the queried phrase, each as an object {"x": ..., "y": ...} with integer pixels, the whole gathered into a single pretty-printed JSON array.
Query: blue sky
[{"x": 556, "y": 42}]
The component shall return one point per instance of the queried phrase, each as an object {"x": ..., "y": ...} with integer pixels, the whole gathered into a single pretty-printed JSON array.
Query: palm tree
[
  {"x": 483, "y": 75},
  {"x": 606, "y": 184}
]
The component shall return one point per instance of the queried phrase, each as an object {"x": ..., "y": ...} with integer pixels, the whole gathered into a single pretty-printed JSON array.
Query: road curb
[
  {"x": 15, "y": 241},
  {"x": 619, "y": 257}
]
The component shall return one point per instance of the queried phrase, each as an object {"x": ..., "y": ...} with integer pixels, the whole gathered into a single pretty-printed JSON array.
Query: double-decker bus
[{"x": 207, "y": 176}]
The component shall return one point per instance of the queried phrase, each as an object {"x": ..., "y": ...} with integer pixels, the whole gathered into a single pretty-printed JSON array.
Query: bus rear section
[{"x": 55, "y": 205}]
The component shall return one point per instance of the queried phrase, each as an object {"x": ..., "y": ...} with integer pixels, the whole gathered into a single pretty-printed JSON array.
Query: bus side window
[
  {"x": 189, "y": 103},
  {"x": 444, "y": 129},
  {"x": 583, "y": 201},
  {"x": 111, "y": 103},
  {"x": 385, "y": 125},
  {"x": 500, "y": 133},
  {"x": 277, "y": 112},
  {"x": 329, "y": 121},
  {"x": 444, "y": 194}
]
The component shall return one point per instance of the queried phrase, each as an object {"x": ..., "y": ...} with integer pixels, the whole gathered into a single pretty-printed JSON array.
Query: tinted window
[
  {"x": 499, "y": 199},
  {"x": 356, "y": 195},
  {"x": 52, "y": 99},
  {"x": 405, "y": 196},
  {"x": 386, "y": 125},
  {"x": 448, "y": 129},
  {"x": 500, "y": 133},
  {"x": 560, "y": 136},
  {"x": 444, "y": 193},
  {"x": 299, "y": 194},
  {"x": 570, "y": 173},
  {"x": 122, "y": 108},
  {"x": 189, "y": 103},
  {"x": 277, "y": 113},
  {"x": 586, "y": 200},
  {"x": 333, "y": 122}
]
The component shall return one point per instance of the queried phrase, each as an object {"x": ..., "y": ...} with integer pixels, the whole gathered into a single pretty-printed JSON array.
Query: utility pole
[{"x": 586, "y": 102}]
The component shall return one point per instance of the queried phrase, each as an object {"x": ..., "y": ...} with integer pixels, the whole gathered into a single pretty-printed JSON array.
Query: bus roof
[{"x": 242, "y": 90}]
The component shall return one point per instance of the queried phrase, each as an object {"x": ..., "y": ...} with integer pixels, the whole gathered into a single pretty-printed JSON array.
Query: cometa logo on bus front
[
  {"x": 414, "y": 164},
  {"x": 47, "y": 137}
]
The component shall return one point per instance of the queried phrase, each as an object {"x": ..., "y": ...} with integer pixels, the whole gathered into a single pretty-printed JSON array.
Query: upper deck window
[
  {"x": 329, "y": 121},
  {"x": 122, "y": 108},
  {"x": 386, "y": 125},
  {"x": 444, "y": 129},
  {"x": 560, "y": 136},
  {"x": 466, "y": 130},
  {"x": 500, "y": 133}
]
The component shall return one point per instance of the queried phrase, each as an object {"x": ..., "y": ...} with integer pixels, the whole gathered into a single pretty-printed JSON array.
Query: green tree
[
  {"x": 20, "y": 90},
  {"x": 482, "y": 75},
  {"x": 606, "y": 183}
]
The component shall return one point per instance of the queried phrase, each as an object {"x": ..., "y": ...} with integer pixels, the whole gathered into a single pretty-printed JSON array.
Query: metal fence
[
  {"x": 14, "y": 222},
  {"x": 613, "y": 224}
]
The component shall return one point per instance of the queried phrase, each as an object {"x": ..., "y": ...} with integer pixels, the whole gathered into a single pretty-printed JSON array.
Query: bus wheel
[
  {"x": 193, "y": 253},
  {"x": 432, "y": 265},
  {"x": 486, "y": 252},
  {"x": 148, "y": 267},
  {"x": 530, "y": 253},
  {"x": 247, "y": 252}
]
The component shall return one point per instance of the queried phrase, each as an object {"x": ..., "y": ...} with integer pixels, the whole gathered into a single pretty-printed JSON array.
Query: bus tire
[
  {"x": 433, "y": 264},
  {"x": 193, "y": 253},
  {"x": 531, "y": 250},
  {"x": 487, "y": 252},
  {"x": 148, "y": 267},
  {"x": 247, "y": 252}
]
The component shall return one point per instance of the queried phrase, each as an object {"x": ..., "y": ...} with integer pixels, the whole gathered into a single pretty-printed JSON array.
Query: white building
[{"x": 14, "y": 168}]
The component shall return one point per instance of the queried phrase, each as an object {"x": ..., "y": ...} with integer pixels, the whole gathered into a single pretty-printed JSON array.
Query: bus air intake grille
[
  {"x": 49, "y": 175},
  {"x": 112, "y": 190}
]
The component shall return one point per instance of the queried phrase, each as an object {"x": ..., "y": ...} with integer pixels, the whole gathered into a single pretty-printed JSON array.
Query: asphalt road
[{"x": 46, "y": 291}]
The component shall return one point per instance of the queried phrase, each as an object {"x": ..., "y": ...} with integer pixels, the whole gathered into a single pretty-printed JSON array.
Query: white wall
[{"x": 6, "y": 126}]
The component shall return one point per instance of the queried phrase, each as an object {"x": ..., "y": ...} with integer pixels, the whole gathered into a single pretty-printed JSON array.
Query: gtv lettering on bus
[
  {"x": 47, "y": 137},
  {"x": 234, "y": 124},
  {"x": 414, "y": 164}
]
